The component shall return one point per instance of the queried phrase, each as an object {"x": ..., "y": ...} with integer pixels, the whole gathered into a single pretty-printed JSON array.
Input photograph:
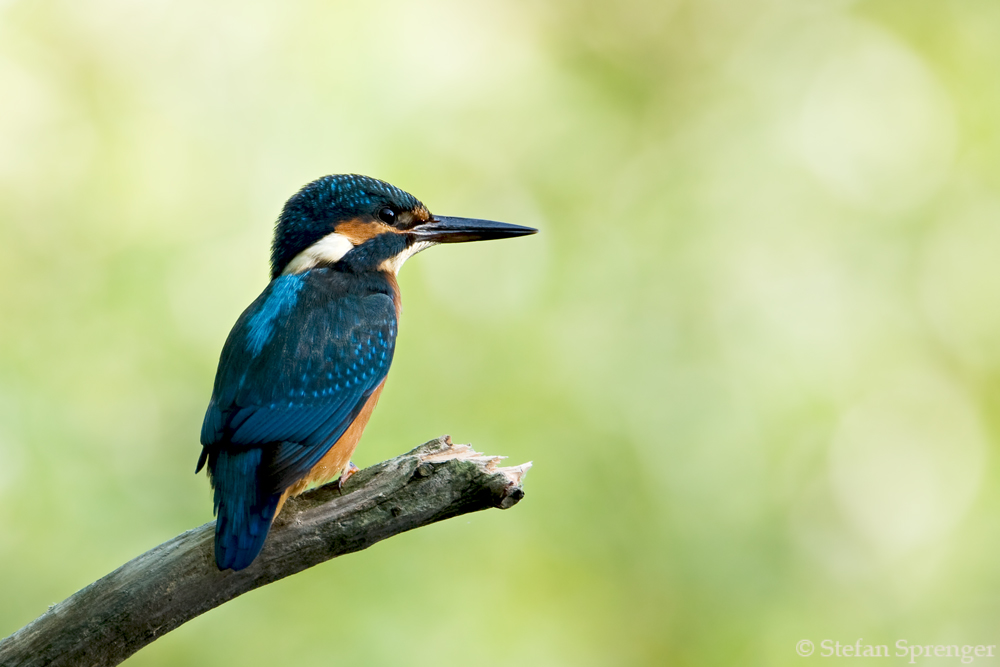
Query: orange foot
[{"x": 346, "y": 475}]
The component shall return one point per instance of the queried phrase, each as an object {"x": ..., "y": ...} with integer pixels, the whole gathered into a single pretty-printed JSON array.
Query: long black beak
[{"x": 443, "y": 229}]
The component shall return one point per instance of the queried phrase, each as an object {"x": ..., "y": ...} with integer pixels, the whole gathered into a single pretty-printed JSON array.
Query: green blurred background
[{"x": 754, "y": 353}]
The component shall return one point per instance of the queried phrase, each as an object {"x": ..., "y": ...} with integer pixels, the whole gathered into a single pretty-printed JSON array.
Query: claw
[{"x": 346, "y": 475}]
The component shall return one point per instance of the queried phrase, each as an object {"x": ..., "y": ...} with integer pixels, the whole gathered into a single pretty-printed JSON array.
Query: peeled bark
[{"x": 149, "y": 596}]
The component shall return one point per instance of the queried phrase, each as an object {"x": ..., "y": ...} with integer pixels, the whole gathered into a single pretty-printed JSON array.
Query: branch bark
[{"x": 149, "y": 596}]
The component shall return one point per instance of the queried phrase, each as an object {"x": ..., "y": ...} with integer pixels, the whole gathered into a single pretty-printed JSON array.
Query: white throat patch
[
  {"x": 394, "y": 264},
  {"x": 331, "y": 248}
]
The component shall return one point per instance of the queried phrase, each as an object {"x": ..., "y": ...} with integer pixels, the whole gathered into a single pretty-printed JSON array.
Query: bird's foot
[{"x": 346, "y": 475}]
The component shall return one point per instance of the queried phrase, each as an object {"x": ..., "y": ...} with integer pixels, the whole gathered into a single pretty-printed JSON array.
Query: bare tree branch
[{"x": 151, "y": 595}]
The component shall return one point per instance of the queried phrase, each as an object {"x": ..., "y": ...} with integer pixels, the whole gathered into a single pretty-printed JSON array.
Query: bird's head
[{"x": 364, "y": 224}]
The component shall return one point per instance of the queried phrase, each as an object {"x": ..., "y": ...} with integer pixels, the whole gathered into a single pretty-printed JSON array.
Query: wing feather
[{"x": 296, "y": 371}]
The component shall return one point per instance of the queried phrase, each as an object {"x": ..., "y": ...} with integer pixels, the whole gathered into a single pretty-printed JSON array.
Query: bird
[{"x": 303, "y": 367}]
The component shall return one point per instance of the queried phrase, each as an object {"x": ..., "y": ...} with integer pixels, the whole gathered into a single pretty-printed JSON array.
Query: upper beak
[{"x": 442, "y": 229}]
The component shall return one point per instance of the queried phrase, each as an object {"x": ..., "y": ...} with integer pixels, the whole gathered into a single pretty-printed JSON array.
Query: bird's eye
[{"x": 387, "y": 215}]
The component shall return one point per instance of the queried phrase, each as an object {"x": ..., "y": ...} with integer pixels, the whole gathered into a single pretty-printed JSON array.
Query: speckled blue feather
[
  {"x": 311, "y": 212},
  {"x": 295, "y": 372}
]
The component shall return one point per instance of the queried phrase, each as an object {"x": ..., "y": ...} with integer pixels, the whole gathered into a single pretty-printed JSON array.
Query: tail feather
[{"x": 244, "y": 509}]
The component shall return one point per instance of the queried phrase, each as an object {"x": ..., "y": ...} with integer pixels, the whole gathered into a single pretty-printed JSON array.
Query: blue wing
[{"x": 296, "y": 370}]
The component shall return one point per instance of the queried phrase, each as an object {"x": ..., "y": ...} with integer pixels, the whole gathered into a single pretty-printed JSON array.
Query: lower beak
[{"x": 459, "y": 230}]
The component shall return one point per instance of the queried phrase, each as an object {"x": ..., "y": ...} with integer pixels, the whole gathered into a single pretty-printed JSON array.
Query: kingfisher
[{"x": 304, "y": 365}]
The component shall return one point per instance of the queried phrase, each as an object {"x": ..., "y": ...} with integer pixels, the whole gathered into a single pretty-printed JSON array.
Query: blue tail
[{"x": 244, "y": 510}]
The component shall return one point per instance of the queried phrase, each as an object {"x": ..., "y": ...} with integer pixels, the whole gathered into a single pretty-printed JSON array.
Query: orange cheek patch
[{"x": 359, "y": 231}]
